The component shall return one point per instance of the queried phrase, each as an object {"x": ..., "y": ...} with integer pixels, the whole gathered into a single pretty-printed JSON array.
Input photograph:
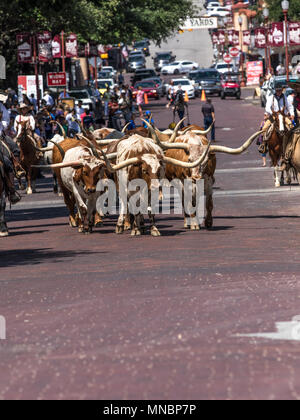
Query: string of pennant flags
[
  {"x": 50, "y": 48},
  {"x": 274, "y": 36}
]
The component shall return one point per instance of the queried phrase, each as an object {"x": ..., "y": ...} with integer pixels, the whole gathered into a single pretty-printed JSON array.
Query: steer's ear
[{"x": 78, "y": 174}]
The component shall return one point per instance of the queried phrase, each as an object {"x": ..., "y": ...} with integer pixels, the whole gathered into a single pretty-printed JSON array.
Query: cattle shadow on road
[
  {"x": 35, "y": 256},
  {"x": 36, "y": 214}
]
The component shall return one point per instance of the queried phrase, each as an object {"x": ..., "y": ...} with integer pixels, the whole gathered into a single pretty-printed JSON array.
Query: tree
[
  {"x": 276, "y": 13},
  {"x": 104, "y": 21}
]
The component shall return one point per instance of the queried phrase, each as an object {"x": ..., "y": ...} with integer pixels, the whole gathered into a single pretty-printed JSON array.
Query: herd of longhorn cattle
[{"x": 142, "y": 154}]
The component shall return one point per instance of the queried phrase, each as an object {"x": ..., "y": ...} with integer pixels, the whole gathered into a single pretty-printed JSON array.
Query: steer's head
[
  {"x": 197, "y": 145},
  {"x": 150, "y": 168},
  {"x": 89, "y": 173}
]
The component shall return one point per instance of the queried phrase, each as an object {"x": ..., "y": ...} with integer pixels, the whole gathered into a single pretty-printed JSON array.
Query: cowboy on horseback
[{"x": 279, "y": 106}]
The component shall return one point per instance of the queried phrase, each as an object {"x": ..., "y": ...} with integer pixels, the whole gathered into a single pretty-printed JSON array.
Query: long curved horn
[
  {"x": 205, "y": 132},
  {"x": 61, "y": 128},
  {"x": 239, "y": 150},
  {"x": 121, "y": 165},
  {"x": 174, "y": 135},
  {"x": 61, "y": 150},
  {"x": 92, "y": 146},
  {"x": 165, "y": 145},
  {"x": 186, "y": 130},
  {"x": 106, "y": 142},
  {"x": 60, "y": 165},
  {"x": 124, "y": 128},
  {"x": 190, "y": 165},
  {"x": 43, "y": 149}
]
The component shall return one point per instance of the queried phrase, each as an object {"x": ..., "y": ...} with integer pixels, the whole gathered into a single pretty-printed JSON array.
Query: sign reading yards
[{"x": 200, "y": 23}]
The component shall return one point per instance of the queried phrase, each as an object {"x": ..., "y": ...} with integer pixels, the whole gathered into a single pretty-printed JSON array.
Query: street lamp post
[
  {"x": 243, "y": 84},
  {"x": 285, "y": 7},
  {"x": 267, "y": 56}
]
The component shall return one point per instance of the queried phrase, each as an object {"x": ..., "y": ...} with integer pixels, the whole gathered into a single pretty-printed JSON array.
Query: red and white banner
[
  {"x": 235, "y": 38},
  {"x": 24, "y": 48},
  {"x": 294, "y": 33},
  {"x": 71, "y": 46},
  {"x": 56, "y": 47},
  {"x": 247, "y": 38},
  {"x": 215, "y": 38},
  {"x": 44, "y": 41},
  {"x": 28, "y": 84},
  {"x": 254, "y": 71},
  {"x": 221, "y": 37},
  {"x": 260, "y": 38},
  {"x": 57, "y": 79},
  {"x": 277, "y": 35}
]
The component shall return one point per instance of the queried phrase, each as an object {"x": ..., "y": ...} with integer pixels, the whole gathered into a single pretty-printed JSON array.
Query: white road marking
[{"x": 289, "y": 331}]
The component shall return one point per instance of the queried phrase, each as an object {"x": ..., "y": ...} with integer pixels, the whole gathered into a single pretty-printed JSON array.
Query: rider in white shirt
[{"x": 24, "y": 116}]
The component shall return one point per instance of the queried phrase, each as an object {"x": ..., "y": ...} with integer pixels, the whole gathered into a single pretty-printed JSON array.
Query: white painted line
[{"x": 288, "y": 331}]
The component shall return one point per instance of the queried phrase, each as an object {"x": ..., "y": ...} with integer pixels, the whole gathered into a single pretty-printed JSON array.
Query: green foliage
[
  {"x": 104, "y": 21},
  {"x": 276, "y": 13}
]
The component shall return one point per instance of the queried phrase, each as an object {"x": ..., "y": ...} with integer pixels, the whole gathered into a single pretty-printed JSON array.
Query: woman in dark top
[{"x": 208, "y": 112}]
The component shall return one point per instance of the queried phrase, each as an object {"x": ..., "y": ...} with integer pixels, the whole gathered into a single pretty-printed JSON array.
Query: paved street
[{"x": 115, "y": 317}]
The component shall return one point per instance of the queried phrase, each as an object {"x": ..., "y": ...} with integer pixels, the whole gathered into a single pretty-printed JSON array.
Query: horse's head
[{"x": 23, "y": 130}]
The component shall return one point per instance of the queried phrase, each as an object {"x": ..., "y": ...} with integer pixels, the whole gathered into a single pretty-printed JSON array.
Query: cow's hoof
[
  {"x": 119, "y": 230},
  {"x": 208, "y": 223},
  {"x": 195, "y": 226},
  {"x": 155, "y": 232},
  {"x": 29, "y": 191},
  {"x": 136, "y": 232},
  {"x": 127, "y": 226},
  {"x": 72, "y": 222},
  {"x": 277, "y": 184},
  {"x": 3, "y": 231},
  {"x": 80, "y": 229}
]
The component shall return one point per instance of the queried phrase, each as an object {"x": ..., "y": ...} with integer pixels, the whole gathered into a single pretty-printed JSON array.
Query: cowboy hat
[{"x": 23, "y": 106}]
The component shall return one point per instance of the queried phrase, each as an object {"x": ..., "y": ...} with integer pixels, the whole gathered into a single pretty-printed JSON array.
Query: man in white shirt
[
  {"x": 48, "y": 99},
  {"x": 73, "y": 125},
  {"x": 24, "y": 116}
]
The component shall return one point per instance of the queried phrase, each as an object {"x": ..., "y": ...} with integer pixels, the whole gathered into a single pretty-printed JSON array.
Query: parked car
[
  {"x": 218, "y": 12},
  {"x": 109, "y": 69},
  {"x": 105, "y": 74},
  {"x": 142, "y": 74},
  {"x": 149, "y": 87},
  {"x": 179, "y": 67},
  {"x": 161, "y": 59},
  {"x": 86, "y": 96},
  {"x": 142, "y": 46},
  {"x": 186, "y": 86},
  {"x": 230, "y": 85},
  {"x": 208, "y": 80},
  {"x": 104, "y": 83},
  {"x": 158, "y": 84},
  {"x": 222, "y": 67},
  {"x": 136, "y": 62},
  {"x": 210, "y": 4}
]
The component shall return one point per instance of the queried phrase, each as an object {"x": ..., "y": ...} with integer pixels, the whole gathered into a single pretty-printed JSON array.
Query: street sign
[
  {"x": 57, "y": 79},
  {"x": 227, "y": 58},
  {"x": 234, "y": 52},
  {"x": 200, "y": 23}
]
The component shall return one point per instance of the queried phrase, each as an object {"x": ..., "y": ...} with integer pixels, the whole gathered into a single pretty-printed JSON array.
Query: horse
[
  {"x": 276, "y": 127},
  {"x": 28, "y": 154}
]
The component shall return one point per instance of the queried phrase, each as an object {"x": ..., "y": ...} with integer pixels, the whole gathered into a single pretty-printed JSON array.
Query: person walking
[
  {"x": 140, "y": 100},
  {"x": 208, "y": 112},
  {"x": 180, "y": 106}
]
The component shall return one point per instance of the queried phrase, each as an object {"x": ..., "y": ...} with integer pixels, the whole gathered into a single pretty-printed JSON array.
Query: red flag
[
  {"x": 44, "y": 40},
  {"x": 221, "y": 37},
  {"x": 56, "y": 47},
  {"x": 277, "y": 34},
  {"x": 71, "y": 46},
  {"x": 260, "y": 38},
  {"x": 294, "y": 33},
  {"x": 24, "y": 48},
  {"x": 235, "y": 38},
  {"x": 247, "y": 38}
]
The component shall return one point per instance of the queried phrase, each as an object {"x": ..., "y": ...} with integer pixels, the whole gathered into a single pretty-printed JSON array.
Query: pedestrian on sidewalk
[
  {"x": 140, "y": 100},
  {"x": 180, "y": 106},
  {"x": 208, "y": 112}
]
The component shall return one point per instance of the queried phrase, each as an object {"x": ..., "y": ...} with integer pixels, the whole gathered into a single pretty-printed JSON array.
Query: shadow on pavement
[{"x": 13, "y": 258}]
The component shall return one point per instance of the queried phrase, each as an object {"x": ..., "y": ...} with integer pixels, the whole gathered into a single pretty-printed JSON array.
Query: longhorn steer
[{"x": 194, "y": 147}]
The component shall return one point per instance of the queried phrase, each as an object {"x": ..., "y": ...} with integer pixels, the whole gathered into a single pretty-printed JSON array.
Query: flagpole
[
  {"x": 63, "y": 57},
  {"x": 37, "y": 81}
]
